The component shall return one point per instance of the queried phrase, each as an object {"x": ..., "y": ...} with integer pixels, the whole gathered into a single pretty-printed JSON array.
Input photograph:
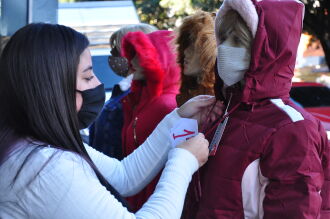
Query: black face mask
[
  {"x": 119, "y": 65},
  {"x": 93, "y": 101}
]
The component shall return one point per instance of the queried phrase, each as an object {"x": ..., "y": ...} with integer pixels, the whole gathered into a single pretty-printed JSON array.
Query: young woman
[
  {"x": 197, "y": 53},
  {"x": 49, "y": 91}
]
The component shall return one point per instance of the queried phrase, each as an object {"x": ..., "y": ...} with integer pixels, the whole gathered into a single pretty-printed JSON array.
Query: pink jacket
[{"x": 273, "y": 158}]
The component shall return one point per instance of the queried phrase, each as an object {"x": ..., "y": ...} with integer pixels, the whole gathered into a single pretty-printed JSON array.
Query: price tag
[
  {"x": 213, "y": 147},
  {"x": 217, "y": 137},
  {"x": 183, "y": 130}
]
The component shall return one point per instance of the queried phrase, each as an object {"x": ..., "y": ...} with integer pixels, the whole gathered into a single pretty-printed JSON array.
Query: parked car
[{"x": 314, "y": 98}]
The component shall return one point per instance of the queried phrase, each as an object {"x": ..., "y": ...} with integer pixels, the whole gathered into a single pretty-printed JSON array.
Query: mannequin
[
  {"x": 196, "y": 55},
  {"x": 270, "y": 159}
]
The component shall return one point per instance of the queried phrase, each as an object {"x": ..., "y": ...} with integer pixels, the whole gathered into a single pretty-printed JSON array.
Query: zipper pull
[{"x": 134, "y": 131}]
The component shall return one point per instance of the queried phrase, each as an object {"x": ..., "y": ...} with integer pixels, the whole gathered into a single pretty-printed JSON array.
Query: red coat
[
  {"x": 273, "y": 158},
  {"x": 150, "y": 100}
]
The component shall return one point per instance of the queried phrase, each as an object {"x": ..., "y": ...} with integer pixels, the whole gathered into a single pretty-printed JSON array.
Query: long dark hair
[{"x": 38, "y": 69}]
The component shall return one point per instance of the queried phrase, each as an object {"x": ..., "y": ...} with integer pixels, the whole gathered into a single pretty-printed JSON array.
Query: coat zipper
[{"x": 134, "y": 131}]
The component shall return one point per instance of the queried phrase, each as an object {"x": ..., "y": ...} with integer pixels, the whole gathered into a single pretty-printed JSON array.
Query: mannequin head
[
  {"x": 116, "y": 37},
  {"x": 192, "y": 63},
  {"x": 118, "y": 63},
  {"x": 234, "y": 49},
  {"x": 136, "y": 69},
  {"x": 234, "y": 28},
  {"x": 196, "y": 48}
]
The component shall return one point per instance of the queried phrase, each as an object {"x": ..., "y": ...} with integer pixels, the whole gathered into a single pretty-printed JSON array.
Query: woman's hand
[
  {"x": 203, "y": 108},
  {"x": 198, "y": 146}
]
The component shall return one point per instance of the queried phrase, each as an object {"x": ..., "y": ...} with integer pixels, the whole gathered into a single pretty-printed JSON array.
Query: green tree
[
  {"x": 166, "y": 14},
  {"x": 317, "y": 23},
  {"x": 207, "y": 5},
  {"x": 154, "y": 13}
]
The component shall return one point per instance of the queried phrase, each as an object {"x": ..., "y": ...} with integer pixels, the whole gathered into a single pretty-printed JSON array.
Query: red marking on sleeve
[{"x": 183, "y": 135}]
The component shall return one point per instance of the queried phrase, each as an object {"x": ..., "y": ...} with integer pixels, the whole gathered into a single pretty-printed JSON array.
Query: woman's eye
[{"x": 89, "y": 78}]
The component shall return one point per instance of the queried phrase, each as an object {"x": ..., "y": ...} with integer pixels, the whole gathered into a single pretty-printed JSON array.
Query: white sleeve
[
  {"x": 168, "y": 198},
  {"x": 134, "y": 172},
  {"x": 69, "y": 189}
]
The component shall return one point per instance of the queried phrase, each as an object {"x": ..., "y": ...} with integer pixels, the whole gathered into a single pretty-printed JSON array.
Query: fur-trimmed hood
[
  {"x": 151, "y": 99},
  {"x": 197, "y": 30},
  {"x": 157, "y": 58}
]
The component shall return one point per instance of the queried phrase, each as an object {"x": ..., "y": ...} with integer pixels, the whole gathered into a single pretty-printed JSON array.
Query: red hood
[
  {"x": 156, "y": 57},
  {"x": 274, "y": 50}
]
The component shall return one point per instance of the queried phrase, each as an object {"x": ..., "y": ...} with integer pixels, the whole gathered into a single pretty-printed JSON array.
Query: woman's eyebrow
[{"x": 88, "y": 68}]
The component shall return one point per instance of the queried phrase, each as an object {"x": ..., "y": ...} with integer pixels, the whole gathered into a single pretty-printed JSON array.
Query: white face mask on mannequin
[{"x": 232, "y": 63}]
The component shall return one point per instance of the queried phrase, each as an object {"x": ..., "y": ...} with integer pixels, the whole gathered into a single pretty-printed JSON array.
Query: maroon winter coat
[
  {"x": 273, "y": 158},
  {"x": 150, "y": 100}
]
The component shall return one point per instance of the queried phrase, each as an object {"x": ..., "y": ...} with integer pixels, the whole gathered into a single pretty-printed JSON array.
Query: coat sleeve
[
  {"x": 292, "y": 163},
  {"x": 325, "y": 192},
  {"x": 68, "y": 188},
  {"x": 135, "y": 171}
]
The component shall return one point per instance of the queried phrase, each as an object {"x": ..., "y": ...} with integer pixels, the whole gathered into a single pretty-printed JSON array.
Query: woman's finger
[
  {"x": 203, "y": 97},
  {"x": 202, "y": 101}
]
